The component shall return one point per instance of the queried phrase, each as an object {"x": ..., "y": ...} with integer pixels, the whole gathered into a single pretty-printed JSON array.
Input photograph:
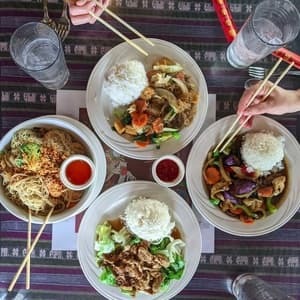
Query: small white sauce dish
[
  {"x": 181, "y": 170},
  {"x": 63, "y": 172}
]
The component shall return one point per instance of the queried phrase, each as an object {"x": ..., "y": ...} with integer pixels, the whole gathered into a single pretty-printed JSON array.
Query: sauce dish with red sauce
[
  {"x": 77, "y": 172},
  {"x": 168, "y": 170}
]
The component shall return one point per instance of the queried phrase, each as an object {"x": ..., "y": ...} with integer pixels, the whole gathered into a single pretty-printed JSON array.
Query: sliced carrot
[
  {"x": 266, "y": 191},
  {"x": 139, "y": 120},
  {"x": 158, "y": 125},
  {"x": 212, "y": 175},
  {"x": 142, "y": 144},
  {"x": 236, "y": 211},
  {"x": 140, "y": 105}
]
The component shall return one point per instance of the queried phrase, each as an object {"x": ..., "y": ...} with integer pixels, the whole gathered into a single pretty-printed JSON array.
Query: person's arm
[
  {"x": 280, "y": 101},
  {"x": 79, "y": 10}
]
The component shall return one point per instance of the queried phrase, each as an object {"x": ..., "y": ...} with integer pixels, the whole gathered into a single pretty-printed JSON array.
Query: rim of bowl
[
  {"x": 64, "y": 179},
  {"x": 180, "y": 165}
]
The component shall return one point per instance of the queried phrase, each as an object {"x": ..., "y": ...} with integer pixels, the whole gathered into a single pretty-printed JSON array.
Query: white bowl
[
  {"x": 181, "y": 171},
  {"x": 103, "y": 208},
  {"x": 198, "y": 192},
  {"x": 100, "y": 109},
  {"x": 81, "y": 133},
  {"x": 64, "y": 178}
]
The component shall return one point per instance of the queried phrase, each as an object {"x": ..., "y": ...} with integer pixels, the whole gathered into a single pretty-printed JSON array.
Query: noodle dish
[{"x": 31, "y": 159}]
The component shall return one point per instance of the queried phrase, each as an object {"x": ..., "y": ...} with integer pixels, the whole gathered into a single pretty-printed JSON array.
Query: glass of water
[
  {"x": 273, "y": 24},
  {"x": 37, "y": 50},
  {"x": 249, "y": 287}
]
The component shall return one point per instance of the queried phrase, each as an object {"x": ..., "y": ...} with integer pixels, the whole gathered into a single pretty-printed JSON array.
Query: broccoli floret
[
  {"x": 33, "y": 150},
  {"x": 162, "y": 137}
]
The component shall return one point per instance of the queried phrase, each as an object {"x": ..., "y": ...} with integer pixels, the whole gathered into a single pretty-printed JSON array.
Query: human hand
[
  {"x": 79, "y": 10},
  {"x": 279, "y": 102}
]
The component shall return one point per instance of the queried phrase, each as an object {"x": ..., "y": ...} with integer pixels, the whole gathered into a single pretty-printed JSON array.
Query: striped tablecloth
[{"x": 193, "y": 26}]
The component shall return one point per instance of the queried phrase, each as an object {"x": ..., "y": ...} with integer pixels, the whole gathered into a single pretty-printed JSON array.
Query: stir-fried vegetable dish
[
  {"x": 167, "y": 105},
  {"x": 135, "y": 265},
  {"x": 239, "y": 191}
]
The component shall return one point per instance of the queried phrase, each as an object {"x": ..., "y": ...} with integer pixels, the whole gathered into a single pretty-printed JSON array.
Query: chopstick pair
[
  {"x": 29, "y": 251},
  {"x": 261, "y": 86},
  {"x": 116, "y": 31}
]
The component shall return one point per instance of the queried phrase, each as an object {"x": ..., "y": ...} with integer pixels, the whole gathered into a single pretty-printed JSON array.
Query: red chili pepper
[{"x": 245, "y": 171}]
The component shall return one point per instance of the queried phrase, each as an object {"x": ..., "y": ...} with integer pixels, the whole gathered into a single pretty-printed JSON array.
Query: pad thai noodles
[
  {"x": 166, "y": 105},
  {"x": 132, "y": 263},
  {"x": 30, "y": 165},
  {"x": 238, "y": 189}
]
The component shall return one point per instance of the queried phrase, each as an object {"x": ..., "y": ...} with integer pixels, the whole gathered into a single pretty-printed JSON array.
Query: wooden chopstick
[
  {"x": 265, "y": 97},
  {"x": 249, "y": 102},
  {"x": 28, "y": 247},
  {"x": 119, "y": 33},
  {"x": 125, "y": 24},
  {"x": 13, "y": 282}
]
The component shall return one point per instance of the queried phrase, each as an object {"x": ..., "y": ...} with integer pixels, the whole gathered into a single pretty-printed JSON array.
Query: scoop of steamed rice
[
  {"x": 262, "y": 150},
  {"x": 149, "y": 219},
  {"x": 125, "y": 82}
]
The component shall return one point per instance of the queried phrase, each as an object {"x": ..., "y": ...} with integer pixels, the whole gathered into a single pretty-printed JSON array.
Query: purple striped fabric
[{"x": 193, "y": 26}]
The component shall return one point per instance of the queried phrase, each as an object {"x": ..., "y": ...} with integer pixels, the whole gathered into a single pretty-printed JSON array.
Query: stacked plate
[{"x": 198, "y": 192}]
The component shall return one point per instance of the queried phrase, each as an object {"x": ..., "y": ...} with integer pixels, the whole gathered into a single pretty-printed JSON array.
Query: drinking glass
[
  {"x": 273, "y": 24},
  {"x": 250, "y": 287},
  {"x": 37, "y": 49}
]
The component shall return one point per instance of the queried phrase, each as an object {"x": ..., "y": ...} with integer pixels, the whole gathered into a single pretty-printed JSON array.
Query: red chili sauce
[
  {"x": 78, "y": 172},
  {"x": 167, "y": 170}
]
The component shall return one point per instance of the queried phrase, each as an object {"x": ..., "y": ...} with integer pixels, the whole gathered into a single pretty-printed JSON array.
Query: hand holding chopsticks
[
  {"x": 118, "y": 32},
  {"x": 82, "y": 12},
  {"x": 256, "y": 93},
  {"x": 26, "y": 258}
]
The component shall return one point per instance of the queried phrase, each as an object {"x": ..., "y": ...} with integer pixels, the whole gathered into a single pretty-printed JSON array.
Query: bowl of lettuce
[{"x": 119, "y": 264}]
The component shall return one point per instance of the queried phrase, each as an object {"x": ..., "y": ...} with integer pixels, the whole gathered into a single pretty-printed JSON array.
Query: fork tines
[{"x": 256, "y": 72}]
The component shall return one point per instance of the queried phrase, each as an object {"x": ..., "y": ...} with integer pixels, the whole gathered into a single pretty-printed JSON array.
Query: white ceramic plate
[
  {"x": 110, "y": 205},
  {"x": 91, "y": 142},
  {"x": 197, "y": 189},
  {"x": 99, "y": 104}
]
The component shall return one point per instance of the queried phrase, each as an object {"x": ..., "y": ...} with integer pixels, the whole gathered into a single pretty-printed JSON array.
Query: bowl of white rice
[
  {"x": 120, "y": 77},
  {"x": 264, "y": 148}
]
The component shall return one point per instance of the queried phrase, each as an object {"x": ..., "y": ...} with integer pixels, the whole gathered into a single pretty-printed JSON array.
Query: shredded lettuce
[
  {"x": 121, "y": 237},
  {"x": 107, "y": 277},
  {"x": 104, "y": 242}
]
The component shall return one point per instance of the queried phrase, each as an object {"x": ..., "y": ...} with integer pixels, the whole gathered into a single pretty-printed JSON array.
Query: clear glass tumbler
[
  {"x": 250, "y": 287},
  {"x": 273, "y": 24},
  {"x": 37, "y": 49}
]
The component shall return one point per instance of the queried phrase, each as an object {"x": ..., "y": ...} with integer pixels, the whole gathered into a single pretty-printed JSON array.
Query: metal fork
[
  {"x": 46, "y": 20},
  {"x": 63, "y": 23},
  {"x": 260, "y": 72}
]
